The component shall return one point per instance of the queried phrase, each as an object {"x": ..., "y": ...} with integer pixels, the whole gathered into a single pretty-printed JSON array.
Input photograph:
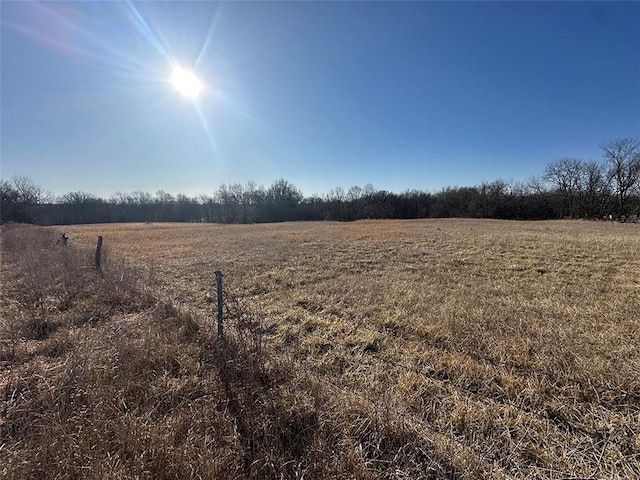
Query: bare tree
[
  {"x": 28, "y": 192},
  {"x": 282, "y": 200},
  {"x": 354, "y": 197},
  {"x": 538, "y": 185},
  {"x": 595, "y": 189},
  {"x": 228, "y": 204},
  {"x": 623, "y": 157},
  {"x": 565, "y": 174},
  {"x": 18, "y": 198},
  {"x": 335, "y": 202}
]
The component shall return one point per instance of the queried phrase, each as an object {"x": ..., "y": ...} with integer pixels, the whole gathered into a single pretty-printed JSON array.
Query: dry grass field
[{"x": 374, "y": 349}]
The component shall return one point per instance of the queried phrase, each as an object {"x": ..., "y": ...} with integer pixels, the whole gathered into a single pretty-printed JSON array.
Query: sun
[{"x": 186, "y": 82}]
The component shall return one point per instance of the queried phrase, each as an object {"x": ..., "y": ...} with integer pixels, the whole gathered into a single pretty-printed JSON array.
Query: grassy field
[{"x": 384, "y": 349}]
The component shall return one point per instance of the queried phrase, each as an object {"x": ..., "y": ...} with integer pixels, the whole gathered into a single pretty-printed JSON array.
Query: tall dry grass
[
  {"x": 119, "y": 381},
  {"x": 513, "y": 344}
]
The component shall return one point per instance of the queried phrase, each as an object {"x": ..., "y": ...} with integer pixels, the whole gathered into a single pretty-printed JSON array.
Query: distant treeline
[{"x": 568, "y": 188}]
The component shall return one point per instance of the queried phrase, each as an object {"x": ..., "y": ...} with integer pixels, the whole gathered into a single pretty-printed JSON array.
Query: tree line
[{"x": 568, "y": 187}]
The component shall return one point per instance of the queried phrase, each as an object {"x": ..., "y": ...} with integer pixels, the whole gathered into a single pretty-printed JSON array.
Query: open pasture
[
  {"x": 517, "y": 340},
  {"x": 392, "y": 349}
]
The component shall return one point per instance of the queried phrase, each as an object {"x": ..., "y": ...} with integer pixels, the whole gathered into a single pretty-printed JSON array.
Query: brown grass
[{"x": 386, "y": 349}]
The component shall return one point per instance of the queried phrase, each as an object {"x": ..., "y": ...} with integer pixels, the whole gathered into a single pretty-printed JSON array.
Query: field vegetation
[{"x": 373, "y": 349}]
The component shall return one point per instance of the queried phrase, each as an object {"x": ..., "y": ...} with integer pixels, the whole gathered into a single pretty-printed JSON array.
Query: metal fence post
[{"x": 220, "y": 301}]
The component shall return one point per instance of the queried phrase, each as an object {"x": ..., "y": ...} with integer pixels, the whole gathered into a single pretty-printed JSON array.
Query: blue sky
[{"x": 397, "y": 94}]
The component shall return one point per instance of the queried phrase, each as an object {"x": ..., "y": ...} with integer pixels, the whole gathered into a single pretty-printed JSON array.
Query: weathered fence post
[
  {"x": 220, "y": 301},
  {"x": 98, "y": 254}
]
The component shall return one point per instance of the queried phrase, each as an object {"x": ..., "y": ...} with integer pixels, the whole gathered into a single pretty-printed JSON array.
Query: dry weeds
[{"x": 397, "y": 349}]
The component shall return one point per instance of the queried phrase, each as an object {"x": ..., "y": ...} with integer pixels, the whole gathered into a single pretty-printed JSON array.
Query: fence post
[
  {"x": 220, "y": 301},
  {"x": 98, "y": 254}
]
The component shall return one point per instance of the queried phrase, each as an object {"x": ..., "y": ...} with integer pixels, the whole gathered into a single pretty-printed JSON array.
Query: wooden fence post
[
  {"x": 220, "y": 301},
  {"x": 98, "y": 254}
]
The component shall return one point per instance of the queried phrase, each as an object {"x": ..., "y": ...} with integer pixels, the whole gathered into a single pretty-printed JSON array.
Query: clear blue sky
[{"x": 397, "y": 94}]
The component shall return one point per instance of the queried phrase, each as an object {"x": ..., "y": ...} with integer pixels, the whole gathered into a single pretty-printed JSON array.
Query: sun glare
[{"x": 186, "y": 82}]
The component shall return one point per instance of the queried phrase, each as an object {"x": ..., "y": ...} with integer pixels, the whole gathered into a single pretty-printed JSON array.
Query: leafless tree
[
  {"x": 18, "y": 199},
  {"x": 564, "y": 175},
  {"x": 28, "y": 192},
  {"x": 595, "y": 189},
  {"x": 623, "y": 158}
]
